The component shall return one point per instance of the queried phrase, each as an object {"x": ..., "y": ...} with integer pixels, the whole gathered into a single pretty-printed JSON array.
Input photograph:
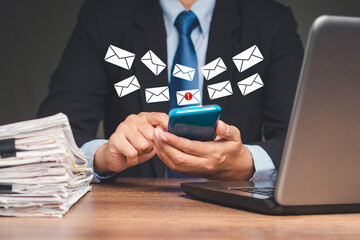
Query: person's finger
[
  {"x": 138, "y": 141},
  {"x": 159, "y": 149},
  {"x": 156, "y": 118},
  {"x": 161, "y": 128},
  {"x": 196, "y": 148},
  {"x": 177, "y": 159},
  {"x": 147, "y": 131},
  {"x": 125, "y": 148},
  {"x": 228, "y": 132},
  {"x": 147, "y": 156}
]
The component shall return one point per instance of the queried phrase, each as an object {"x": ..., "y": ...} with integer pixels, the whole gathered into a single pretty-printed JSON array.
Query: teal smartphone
[{"x": 195, "y": 123}]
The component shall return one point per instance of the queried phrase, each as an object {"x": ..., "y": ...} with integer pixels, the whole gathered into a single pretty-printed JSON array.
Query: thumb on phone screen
[{"x": 227, "y": 132}]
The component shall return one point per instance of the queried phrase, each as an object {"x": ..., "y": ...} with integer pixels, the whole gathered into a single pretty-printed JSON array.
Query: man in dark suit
[{"x": 83, "y": 86}]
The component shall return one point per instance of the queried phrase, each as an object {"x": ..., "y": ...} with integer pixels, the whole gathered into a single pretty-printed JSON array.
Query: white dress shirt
[{"x": 203, "y": 9}]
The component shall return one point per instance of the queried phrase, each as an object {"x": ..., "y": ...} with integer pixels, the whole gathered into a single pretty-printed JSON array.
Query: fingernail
[
  {"x": 163, "y": 137},
  {"x": 156, "y": 132}
]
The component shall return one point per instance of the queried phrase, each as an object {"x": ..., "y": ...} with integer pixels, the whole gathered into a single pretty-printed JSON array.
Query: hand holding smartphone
[{"x": 195, "y": 123}]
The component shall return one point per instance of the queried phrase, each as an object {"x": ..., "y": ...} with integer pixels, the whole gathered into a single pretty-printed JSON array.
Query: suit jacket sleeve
[
  {"x": 78, "y": 87},
  {"x": 282, "y": 78}
]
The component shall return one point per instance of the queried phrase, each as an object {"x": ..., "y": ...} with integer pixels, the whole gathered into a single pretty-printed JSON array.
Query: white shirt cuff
[
  {"x": 89, "y": 149},
  {"x": 264, "y": 167}
]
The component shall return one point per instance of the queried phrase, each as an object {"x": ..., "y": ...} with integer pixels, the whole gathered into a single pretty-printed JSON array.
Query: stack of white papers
[{"x": 42, "y": 171}]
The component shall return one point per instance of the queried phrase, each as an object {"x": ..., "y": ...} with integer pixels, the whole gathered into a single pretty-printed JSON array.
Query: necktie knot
[{"x": 185, "y": 22}]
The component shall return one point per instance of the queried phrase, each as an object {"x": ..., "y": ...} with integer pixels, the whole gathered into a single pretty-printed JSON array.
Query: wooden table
[{"x": 158, "y": 209}]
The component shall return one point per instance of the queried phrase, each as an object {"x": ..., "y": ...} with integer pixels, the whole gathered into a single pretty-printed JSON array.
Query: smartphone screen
[{"x": 195, "y": 123}]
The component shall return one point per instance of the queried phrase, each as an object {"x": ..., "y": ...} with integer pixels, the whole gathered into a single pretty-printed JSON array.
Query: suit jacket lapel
[
  {"x": 224, "y": 42},
  {"x": 148, "y": 18}
]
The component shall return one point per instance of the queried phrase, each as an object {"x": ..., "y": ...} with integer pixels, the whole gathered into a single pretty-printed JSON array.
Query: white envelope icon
[
  {"x": 188, "y": 97},
  {"x": 250, "y": 84},
  {"x": 153, "y": 62},
  {"x": 157, "y": 94},
  {"x": 184, "y": 72},
  {"x": 248, "y": 58},
  {"x": 119, "y": 57},
  {"x": 127, "y": 86},
  {"x": 213, "y": 68},
  {"x": 219, "y": 90}
]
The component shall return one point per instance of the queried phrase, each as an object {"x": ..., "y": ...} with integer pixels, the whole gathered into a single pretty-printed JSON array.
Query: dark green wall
[{"x": 33, "y": 34}]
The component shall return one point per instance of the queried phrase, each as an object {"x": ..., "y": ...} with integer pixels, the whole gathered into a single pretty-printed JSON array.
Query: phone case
[{"x": 195, "y": 123}]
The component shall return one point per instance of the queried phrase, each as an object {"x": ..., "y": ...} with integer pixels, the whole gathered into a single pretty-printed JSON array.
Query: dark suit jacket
[{"x": 83, "y": 85}]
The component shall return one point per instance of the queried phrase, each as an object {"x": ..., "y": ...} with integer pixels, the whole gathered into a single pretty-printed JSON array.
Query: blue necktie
[{"x": 185, "y": 55}]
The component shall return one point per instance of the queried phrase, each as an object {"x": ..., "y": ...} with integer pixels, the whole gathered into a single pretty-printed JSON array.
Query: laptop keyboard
[{"x": 267, "y": 191}]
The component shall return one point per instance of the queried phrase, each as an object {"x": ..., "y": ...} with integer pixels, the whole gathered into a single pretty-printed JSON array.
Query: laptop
[{"x": 320, "y": 167}]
